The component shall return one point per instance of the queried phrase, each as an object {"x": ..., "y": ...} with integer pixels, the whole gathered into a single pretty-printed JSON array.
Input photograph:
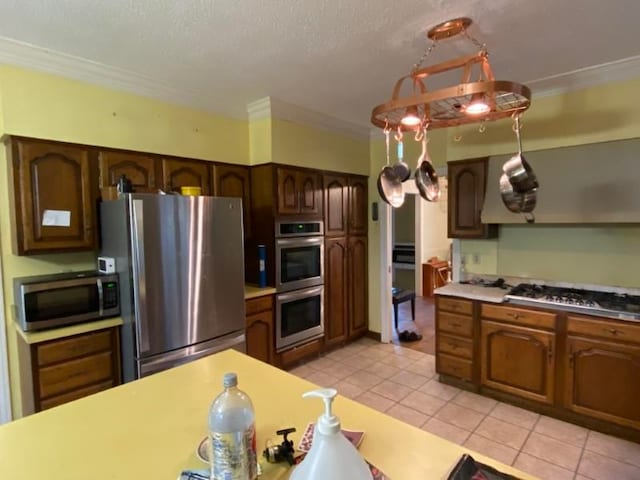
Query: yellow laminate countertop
[
  {"x": 53, "y": 333},
  {"x": 150, "y": 428},
  {"x": 253, "y": 291}
]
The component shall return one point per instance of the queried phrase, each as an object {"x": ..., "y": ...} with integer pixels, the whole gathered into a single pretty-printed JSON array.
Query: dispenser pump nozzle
[{"x": 328, "y": 423}]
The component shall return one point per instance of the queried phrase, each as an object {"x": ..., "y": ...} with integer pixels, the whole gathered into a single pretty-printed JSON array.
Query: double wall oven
[{"x": 299, "y": 282}]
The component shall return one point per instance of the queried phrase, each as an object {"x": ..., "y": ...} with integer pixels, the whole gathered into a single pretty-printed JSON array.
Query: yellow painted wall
[
  {"x": 260, "y": 141},
  {"x": 304, "y": 146},
  {"x": 46, "y": 106},
  {"x": 597, "y": 254}
]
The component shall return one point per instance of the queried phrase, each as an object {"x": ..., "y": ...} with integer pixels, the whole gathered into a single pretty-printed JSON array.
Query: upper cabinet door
[
  {"x": 336, "y": 196},
  {"x": 310, "y": 191},
  {"x": 233, "y": 181},
  {"x": 54, "y": 198},
  {"x": 178, "y": 173},
  {"x": 299, "y": 192},
  {"x": 288, "y": 194},
  {"x": 467, "y": 183},
  {"x": 141, "y": 169},
  {"x": 358, "y": 202}
]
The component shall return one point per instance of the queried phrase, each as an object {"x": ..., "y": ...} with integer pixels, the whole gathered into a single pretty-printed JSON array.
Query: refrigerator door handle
[{"x": 139, "y": 267}]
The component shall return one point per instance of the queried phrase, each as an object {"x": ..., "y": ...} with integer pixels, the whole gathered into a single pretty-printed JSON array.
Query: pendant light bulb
[
  {"x": 411, "y": 118},
  {"x": 477, "y": 106}
]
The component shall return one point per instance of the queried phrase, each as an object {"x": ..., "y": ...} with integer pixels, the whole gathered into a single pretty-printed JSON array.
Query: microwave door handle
[
  {"x": 100, "y": 296},
  {"x": 139, "y": 269}
]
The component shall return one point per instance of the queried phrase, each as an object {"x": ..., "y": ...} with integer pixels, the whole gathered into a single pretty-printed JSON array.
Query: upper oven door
[{"x": 299, "y": 263}]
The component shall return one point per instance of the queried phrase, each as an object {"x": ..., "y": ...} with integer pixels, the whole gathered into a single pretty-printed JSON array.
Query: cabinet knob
[{"x": 612, "y": 331}]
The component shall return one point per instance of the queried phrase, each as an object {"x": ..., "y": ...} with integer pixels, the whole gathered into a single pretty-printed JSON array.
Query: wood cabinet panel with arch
[
  {"x": 54, "y": 196},
  {"x": 234, "y": 181},
  {"x": 141, "y": 169},
  {"x": 178, "y": 173},
  {"x": 467, "y": 185}
]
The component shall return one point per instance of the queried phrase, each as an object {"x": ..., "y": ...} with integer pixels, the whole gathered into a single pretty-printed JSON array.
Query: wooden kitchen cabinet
[
  {"x": 602, "y": 373},
  {"x": 336, "y": 204},
  {"x": 65, "y": 369},
  {"x": 345, "y": 205},
  {"x": 336, "y": 290},
  {"x": 178, "y": 173},
  {"x": 299, "y": 192},
  {"x": 518, "y": 360},
  {"x": 358, "y": 201},
  {"x": 467, "y": 185},
  {"x": 260, "y": 329},
  {"x": 233, "y": 181},
  {"x": 142, "y": 170},
  {"x": 358, "y": 321},
  {"x": 454, "y": 338},
  {"x": 52, "y": 178}
]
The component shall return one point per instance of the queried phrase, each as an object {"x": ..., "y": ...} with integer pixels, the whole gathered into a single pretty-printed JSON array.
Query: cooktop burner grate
[{"x": 576, "y": 299}]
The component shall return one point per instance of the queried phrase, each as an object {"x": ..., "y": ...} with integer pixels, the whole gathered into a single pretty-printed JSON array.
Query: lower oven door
[{"x": 299, "y": 316}]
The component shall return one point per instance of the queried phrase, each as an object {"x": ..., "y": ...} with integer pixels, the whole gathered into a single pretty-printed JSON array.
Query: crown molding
[
  {"x": 616, "y": 71},
  {"x": 29, "y": 56},
  {"x": 270, "y": 107}
]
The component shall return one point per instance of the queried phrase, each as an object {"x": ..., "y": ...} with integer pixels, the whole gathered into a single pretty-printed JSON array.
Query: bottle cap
[{"x": 230, "y": 380}]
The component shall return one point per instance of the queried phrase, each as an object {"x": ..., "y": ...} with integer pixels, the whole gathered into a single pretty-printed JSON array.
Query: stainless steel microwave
[{"x": 47, "y": 301}]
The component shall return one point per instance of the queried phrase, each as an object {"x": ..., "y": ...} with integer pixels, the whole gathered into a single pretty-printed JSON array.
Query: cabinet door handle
[
  {"x": 570, "y": 357},
  {"x": 515, "y": 316},
  {"x": 612, "y": 331},
  {"x": 455, "y": 325},
  {"x": 550, "y": 352}
]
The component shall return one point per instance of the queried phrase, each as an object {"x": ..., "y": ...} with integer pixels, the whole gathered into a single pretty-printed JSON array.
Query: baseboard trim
[{"x": 374, "y": 335}]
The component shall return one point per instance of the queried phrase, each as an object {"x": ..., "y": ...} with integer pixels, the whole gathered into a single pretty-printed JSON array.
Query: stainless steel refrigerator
[{"x": 181, "y": 266}]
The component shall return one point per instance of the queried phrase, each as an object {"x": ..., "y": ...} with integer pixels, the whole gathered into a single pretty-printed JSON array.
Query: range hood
[{"x": 595, "y": 183}]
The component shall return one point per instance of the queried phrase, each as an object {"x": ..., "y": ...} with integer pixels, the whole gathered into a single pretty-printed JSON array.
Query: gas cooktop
[{"x": 585, "y": 301}]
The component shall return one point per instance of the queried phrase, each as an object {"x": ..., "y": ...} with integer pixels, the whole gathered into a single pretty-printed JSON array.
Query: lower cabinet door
[
  {"x": 602, "y": 380},
  {"x": 518, "y": 360},
  {"x": 260, "y": 336}
]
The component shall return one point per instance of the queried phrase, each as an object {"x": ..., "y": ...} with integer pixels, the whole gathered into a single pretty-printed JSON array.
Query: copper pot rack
[{"x": 453, "y": 105}]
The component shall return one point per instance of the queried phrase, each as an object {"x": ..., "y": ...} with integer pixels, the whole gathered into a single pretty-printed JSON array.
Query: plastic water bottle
[{"x": 232, "y": 434}]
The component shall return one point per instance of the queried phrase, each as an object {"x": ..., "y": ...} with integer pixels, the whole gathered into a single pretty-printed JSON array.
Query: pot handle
[{"x": 529, "y": 217}]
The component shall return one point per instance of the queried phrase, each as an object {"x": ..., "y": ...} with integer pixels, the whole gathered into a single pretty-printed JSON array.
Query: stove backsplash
[{"x": 585, "y": 254}]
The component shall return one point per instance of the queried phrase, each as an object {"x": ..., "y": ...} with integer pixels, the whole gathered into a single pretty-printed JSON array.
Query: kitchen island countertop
[{"x": 150, "y": 428}]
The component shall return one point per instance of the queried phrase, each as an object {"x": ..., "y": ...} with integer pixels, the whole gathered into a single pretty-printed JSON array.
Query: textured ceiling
[{"x": 336, "y": 57}]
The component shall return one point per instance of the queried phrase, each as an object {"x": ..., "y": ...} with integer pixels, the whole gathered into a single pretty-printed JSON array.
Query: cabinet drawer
[
  {"x": 260, "y": 304},
  {"x": 73, "y": 347},
  {"x": 455, "y": 305},
  {"x": 520, "y": 316},
  {"x": 297, "y": 353},
  {"x": 612, "y": 330},
  {"x": 456, "y": 324},
  {"x": 456, "y": 367},
  {"x": 81, "y": 372},
  {"x": 74, "y": 395},
  {"x": 455, "y": 346}
]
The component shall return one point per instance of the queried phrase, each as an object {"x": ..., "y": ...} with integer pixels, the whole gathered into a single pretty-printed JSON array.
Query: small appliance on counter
[{"x": 46, "y": 301}]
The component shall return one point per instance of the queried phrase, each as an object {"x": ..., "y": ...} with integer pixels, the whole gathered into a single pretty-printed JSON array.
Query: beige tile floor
[{"x": 402, "y": 383}]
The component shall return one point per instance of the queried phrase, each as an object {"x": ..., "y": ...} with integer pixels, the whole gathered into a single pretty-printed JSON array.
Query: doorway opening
[
  {"x": 416, "y": 236},
  {"x": 5, "y": 392}
]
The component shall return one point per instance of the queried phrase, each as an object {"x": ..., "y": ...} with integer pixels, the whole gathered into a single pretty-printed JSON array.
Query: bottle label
[{"x": 233, "y": 455}]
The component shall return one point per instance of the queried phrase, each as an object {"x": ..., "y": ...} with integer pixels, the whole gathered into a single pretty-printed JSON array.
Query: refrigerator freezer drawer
[{"x": 165, "y": 361}]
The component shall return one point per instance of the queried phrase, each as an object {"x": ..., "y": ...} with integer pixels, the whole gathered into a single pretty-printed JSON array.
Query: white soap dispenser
[{"x": 332, "y": 456}]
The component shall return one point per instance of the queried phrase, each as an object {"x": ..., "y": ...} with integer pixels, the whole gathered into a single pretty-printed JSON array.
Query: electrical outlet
[{"x": 476, "y": 258}]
